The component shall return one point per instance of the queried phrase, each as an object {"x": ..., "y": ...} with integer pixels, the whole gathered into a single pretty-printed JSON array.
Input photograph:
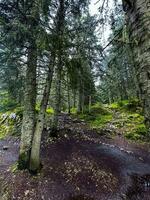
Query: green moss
[
  {"x": 132, "y": 105},
  {"x": 141, "y": 129},
  {"x": 114, "y": 106},
  {"x": 123, "y": 103},
  {"x": 132, "y": 136},
  {"x": 73, "y": 110},
  {"x": 100, "y": 121},
  {"x": 128, "y": 105},
  {"x": 99, "y": 109},
  {"x": 50, "y": 111},
  {"x": 139, "y": 132},
  {"x": 98, "y": 117},
  {"x": 4, "y": 130},
  {"x": 23, "y": 161},
  {"x": 37, "y": 108}
]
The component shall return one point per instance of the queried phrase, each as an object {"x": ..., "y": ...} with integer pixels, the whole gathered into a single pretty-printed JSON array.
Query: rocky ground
[{"x": 78, "y": 165}]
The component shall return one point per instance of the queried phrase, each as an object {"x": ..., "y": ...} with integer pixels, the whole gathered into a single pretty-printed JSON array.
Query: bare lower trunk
[
  {"x": 74, "y": 98},
  {"x": 138, "y": 19},
  {"x": 80, "y": 100},
  {"x": 90, "y": 103},
  {"x": 57, "y": 108},
  {"x": 35, "y": 151},
  {"x": 68, "y": 91},
  {"x": 28, "y": 123}
]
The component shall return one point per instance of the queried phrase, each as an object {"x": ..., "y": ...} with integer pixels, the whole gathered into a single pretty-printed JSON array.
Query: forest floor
[{"x": 79, "y": 165}]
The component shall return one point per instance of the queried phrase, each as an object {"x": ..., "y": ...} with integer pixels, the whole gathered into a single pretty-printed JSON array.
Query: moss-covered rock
[{"x": 10, "y": 123}]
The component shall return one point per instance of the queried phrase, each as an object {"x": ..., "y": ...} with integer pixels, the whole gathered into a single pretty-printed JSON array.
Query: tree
[
  {"x": 138, "y": 21},
  {"x": 35, "y": 150}
]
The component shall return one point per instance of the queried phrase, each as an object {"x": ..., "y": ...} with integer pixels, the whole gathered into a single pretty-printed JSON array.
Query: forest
[{"x": 74, "y": 100}]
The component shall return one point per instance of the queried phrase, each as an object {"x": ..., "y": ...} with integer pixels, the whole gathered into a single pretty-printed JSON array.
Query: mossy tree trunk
[
  {"x": 138, "y": 20},
  {"x": 35, "y": 151},
  {"x": 28, "y": 122}
]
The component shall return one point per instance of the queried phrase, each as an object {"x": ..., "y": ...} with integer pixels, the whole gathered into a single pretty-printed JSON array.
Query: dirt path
[{"x": 79, "y": 165}]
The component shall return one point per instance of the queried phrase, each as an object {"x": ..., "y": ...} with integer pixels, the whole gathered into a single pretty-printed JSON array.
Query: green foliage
[
  {"x": 136, "y": 117},
  {"x": 50, "y": 111},
  {"x": 3, "y": 131},
  {"x": 19, "y": 112},
  {"x": 101, "y": 121},
  {"x": 129, "y": 119},
  {"x": 73, "y": 110},
  {"x": 37, "y": 108},
  {"x": 118, "y": 105},
  {"x": 6, "y": 103},
  {"x": 10, "y": 122},
  {"x": 132, "y": 105},
  {"x": 98, "y": 117},
  {"x": 114, "y": 106},
  {"x": 140, "y": 132},
  {"x": 129, "y": 105},
  {"x": 100, "y": 109}
]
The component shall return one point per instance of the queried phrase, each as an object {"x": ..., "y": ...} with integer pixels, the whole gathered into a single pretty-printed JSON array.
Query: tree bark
[
  {"x": 80, "y": 95},
  {"x": 138, "y": 20},
  {"x": 28, "y": 123},
  {"x": 74, "y": 98},
  {"x": 90, "y": 103},
  {"x": 35, "y": 151},
  {"x": 60, "y": 29},
  {"x": 68, "y": 94},
  {"x": 57, "y": 107}
]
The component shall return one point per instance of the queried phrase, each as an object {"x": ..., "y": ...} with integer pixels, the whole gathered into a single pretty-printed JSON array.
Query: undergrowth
[
  {"x": 126, "y": 116},
  {"x": 98, "y": 116}
]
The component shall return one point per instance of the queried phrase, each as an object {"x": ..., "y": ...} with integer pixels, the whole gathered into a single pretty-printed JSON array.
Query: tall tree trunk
[
  {"x": 138, "y": 19},
  {"x": 57, "y": 107},
  {"x": 35, "y": 151},
  {"x": 28, "y": 123},
  {"x": 60, "y": 30}
]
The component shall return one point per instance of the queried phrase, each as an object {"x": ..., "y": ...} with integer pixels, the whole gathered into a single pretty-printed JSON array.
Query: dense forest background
[
  {"x": 53, "y": 59},
  {"x": 74, "y": 99}
]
